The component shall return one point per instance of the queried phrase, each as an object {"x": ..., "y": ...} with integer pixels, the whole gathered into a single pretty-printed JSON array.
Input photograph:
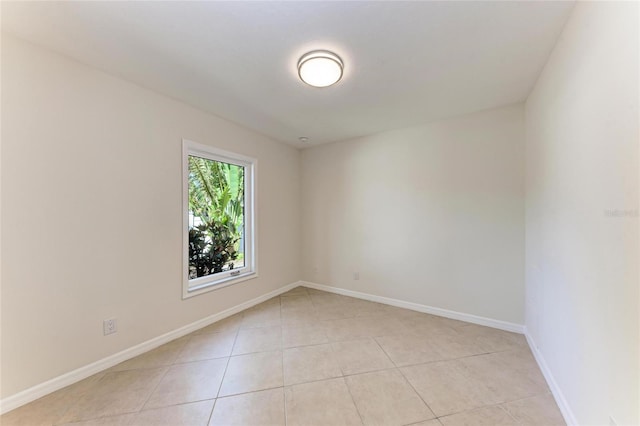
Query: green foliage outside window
[{"x": 216, "y": 199}]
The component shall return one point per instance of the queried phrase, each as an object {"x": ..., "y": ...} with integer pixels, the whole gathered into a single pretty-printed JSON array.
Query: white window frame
[{"x": 196, "y": 286}]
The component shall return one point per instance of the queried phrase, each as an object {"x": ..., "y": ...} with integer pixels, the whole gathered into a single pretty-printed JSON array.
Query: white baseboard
[
  {"x": 565, "y": 409},
  {"x": 489, "y": 322},
  {"x": 28, "y": 395}
]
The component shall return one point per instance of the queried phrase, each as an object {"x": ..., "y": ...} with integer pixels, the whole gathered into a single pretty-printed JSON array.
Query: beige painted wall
[
  {"x": 431, "y": 214},
  {"x": 91, "y": 214},
  {"x": 581, "y": 259}
]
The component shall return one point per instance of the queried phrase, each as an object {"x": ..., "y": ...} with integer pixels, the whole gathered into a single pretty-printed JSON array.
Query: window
[{"x": 218, "y": 218}]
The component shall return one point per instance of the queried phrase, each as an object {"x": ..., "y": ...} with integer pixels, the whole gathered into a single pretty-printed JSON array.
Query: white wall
[
  {"x": 91, "y": 214},
  {"x": 582, "y": 262},
  {"x": 431, "y": 214}
]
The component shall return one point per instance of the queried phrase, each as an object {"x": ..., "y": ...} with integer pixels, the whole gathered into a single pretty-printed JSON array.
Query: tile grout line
[
  {"x": 345, "y": 382},
  {"x": 116, "y": 414},
  {"x": 422, "y": 421},
  {"x": 344, "y": 376},
  {"x": 138, "y": 411},
  {"x": 501, "y": 404},
  {"x": 284, "y": 396},
  {"x": 77, "y": 400},
  {"x": 498, "y": 405},
  {"x": 509, "y": 414},
  {"x": 353, "y": 400},
  {"x": 215, "y": 402},
  {"x": 406, "y": 379},
  {"x": 251, "y": 391},
  {"x": 175, "y": 362}
]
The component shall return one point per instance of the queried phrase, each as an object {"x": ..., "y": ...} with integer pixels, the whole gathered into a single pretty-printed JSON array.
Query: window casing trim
[{"x": 200, "y": 285}]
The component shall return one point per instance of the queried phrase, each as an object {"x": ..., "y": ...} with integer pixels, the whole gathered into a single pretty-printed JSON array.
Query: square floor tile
[
  {"x": 194, "y": 381},
  {"x": 266, "y": 314},
  {"x": 519, "y": 359},
  {"x": 252, "y": 372},
  {"x": 310, "y": 363},
  {"x": 299, "y": 319},
  {"x": 360, "y": 356},
  {"x": 159, "y": 357},
  {"x": 255, "y": 408},
  {"x": 194, "y": 414},
  {"x": 116, "y": 393},
  {"x": 207, "y": 346},
  {"x": 452, "y": 345},
  {"x": 337, "y": 311},
  {"x": 261, "y": 339},
  {"x": 346, "y": 329},
  {"x": 227, "y": 325},
  {"x": 386, "y": 398},
  {"x": 485, "y": 416},
  {"x": 320, "y": 403},
  {"x": 539, "y": 410},
  {"x": 361, "y": 327},
  {"x": 119, "y": 420},
  {"x": 296, "y": 303},
  {"x": 382, "y": 326},
  {"x": 50, "y": 408},
  {"x": 505, "y": 383},
  {"x": 406, "y": 349},
  {"x": 303, "y": 336},
  {"x": 448, "y": 387}
]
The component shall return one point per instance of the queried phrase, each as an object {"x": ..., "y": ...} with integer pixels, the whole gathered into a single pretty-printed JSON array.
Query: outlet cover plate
[{"x": 110, "y": 326}]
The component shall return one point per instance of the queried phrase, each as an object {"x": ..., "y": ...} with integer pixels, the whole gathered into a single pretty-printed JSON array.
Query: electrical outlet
[
  {"x": 612, "y": 421},
  {"x": 110, "y": 326},
  {"x": 356, "y": 275}
]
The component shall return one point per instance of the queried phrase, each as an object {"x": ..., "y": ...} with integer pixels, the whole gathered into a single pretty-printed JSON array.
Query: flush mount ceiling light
[{"x": 320, "y": 68}]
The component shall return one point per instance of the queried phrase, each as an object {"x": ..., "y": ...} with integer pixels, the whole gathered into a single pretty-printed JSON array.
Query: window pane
[{"x": 216, "y": 217}]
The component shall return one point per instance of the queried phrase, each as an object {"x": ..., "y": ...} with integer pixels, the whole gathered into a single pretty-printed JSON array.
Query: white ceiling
[{"x": 406, "y": 63}]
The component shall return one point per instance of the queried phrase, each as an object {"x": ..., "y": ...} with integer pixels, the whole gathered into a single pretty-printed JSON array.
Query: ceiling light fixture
[
  {"x": 303, "y": 139},
  {"x": 320, "y": 68}
]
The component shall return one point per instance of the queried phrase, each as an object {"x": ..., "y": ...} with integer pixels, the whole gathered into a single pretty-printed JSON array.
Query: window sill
[{"x": 217, "y": 284}]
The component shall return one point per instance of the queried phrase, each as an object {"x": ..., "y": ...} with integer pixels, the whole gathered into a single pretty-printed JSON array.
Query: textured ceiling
[{"x": 406, "y": 63}]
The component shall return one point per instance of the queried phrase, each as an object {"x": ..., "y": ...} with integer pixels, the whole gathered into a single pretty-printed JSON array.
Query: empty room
[{"x": 319, "y": 213}]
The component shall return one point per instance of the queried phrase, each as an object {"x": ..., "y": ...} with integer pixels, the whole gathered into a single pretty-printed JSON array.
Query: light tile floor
[{"x": 313, "y": 358}]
